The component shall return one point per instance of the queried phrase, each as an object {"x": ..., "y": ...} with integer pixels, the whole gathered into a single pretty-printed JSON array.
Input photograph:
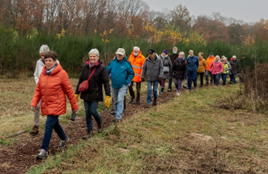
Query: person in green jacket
[{"x": 226, "y": 69}]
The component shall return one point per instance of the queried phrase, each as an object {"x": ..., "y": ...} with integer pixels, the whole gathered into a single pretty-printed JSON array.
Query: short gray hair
[
  {"x": 191, "y": 51},
  {"x": 224, "y": 58},
  {"x": 94, "y": 51},
  {"x": 218, "y": 57},
  {"x": 175, "y": 47},
  {"x": 44, "y": 48},
  {"x": 182, "y": 53},
  {"x": 136, "y": 47}
]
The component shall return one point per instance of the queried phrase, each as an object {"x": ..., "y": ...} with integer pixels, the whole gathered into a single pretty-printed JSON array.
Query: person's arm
[
  {"x": 205, "y": 64},
  {"x": 68, "y": 90},
  {"x": 197, "y": 62},
  {"x": 144, "y": 69},
  {"x": 185, "y": 72},
  {"x": 161, "y": 73},
  {"x": 130, "y": 74},
  {"x": 37, "y": 95},
  {"x": 221, "y": 67},
  {"x": 170, "y": 66},
  {"x": 106, "y": 82},
  {"x": 210, "y": 66},
  {"x": 37, "y": 72}
]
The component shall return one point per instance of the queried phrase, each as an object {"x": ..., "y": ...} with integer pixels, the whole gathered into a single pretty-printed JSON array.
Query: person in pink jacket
[{"x": 217, "y": 70}]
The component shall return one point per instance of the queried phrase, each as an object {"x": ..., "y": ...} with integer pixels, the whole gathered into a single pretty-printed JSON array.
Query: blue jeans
[
  {"x": 217, "y": 78},
  {"x": 52, "y": 123},
  {"x": 118, "y": 97},
  {"x": 224, "y": 76},
  {"x": 170, "y": 82},
  {"x": 91, "y": 110},
  {"x": 233, "y": 78},
  {"x": 191, "y": 76},
  {"x": 149, "y": 90}
]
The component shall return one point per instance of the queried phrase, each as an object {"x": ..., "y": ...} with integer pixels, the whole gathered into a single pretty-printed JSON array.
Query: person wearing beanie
[
  {"x": 208, "y": 73},
  {"x": 173, "y": 57},
  {"x": 201, "y": 68},
  {"x": 167, "y": 65},
  {"x": 192, "y": 66}
]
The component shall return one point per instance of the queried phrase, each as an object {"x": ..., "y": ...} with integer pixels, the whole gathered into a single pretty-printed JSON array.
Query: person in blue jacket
[
  {"x": 122, "y": 74},
  {"x": 192, "y": 66}
]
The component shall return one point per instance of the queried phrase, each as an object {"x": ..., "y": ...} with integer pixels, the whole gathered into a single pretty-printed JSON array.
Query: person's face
[
  {"x": 217, "y": 59},
  {"x": 200, "y": 55},
  {"x": 93, "y": 58},
  {"x": 175, "y": 50},
  {"x": 152, "y": 56},
  {"x": 164, "y": 54},
  {"x": 181, "y": 56},
  {"x": 42, "y": 56},
  {"x": 136, "y": 51},
  {"x": 191, "y": 53},
  {"x": 120, "y": 57},
  {"x": 50, "y": 63},
  {"x": 210, "y": 55},
  {"x": 224, "y": 60}
]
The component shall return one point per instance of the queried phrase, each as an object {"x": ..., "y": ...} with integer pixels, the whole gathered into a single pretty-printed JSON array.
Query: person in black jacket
[
  {"x": 234, "y": 70},
  {"x": 94, "y": 93},
  {"x": 173, "y": 57},
  {"x": 179, "y": 71}
]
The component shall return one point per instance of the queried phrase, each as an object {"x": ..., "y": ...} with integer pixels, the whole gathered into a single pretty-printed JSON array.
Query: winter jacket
[
  {"x": 137, "y": 65},
  {"x": 216, "y": 67},
  {"x": 173, "y": 57},
  {"x": 38, "y": 69},
  {"x": 192, "y": 63},
  {"x": 121, "y": 72},
  {"x": 226, "y": 67},
  {"x": 100, "y": 77},
  {"x": 209, "y": 61},
  {"x": 51, "y": 89},
  {"x": 235, "y": 66},
  {"x": 179, "y": 69},
  {"x": 202, "y": 65},
  {"x": 167, "y": 65},
  {"x": 152, "y": 69}
]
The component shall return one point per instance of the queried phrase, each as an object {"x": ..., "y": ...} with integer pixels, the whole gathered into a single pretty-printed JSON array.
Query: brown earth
[{"x": 20, "y": 156}]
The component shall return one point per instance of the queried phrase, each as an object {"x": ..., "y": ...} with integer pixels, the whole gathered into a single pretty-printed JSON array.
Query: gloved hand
[
  {"x": 76, "y": 97},
  {"x": 107, "y": 101}
]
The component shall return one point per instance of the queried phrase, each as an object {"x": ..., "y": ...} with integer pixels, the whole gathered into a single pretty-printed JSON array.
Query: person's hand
[
  {"x": 76, "y": 97},
  {"x": 107, "y": 101},
  {"x": 32, "y": 108},
  {"x": 159, "y": 78}
]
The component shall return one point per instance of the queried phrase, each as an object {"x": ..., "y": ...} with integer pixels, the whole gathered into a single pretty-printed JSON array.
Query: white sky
[{"x": 246, "y": 10}]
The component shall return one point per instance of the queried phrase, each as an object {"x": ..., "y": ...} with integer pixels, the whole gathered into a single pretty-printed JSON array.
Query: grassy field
[{"x": 189, "y": 134}]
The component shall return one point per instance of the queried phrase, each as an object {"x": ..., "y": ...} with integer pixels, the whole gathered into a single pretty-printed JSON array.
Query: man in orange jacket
[
  {"x": 137, "y": 60},
  {"x": 210, "y": 59}
]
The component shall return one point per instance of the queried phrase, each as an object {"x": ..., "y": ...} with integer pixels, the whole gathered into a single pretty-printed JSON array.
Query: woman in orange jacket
[
  {"x": 51, "y": 88},
  {"x": 208, "y": 73}
]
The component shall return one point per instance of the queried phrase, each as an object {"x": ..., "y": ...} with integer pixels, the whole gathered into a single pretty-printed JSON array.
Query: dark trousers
[
  {"x": 224, "y": 76},
  {"x": 138, "y": 89},
  {"x": 201, "y": 78},
  {"x": 170, "y": 82},
  {"x": 191, "y": 76},
  {"x": 216, "y": 78},
  {"x": 91, "y": 110},
  {"x": 209, "y": 75},
  {"x": 52, "y": 123}
]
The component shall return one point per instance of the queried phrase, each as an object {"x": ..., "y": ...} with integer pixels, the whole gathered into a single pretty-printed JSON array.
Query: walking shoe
[
  {"x": 116, "y": 120},
  {"x": 169, "y": 90},
  {"x": 137, "y": 103},
  {"x": 147, "y": 105},
  {"x": 88, "y": 135},
  {"x": 184, "y": 86},
  {"x": 112, "y": 113},
  {"x": 154, "y": 102},
  {"x": 42, "y": 154},
  {"x": 63, "y": 143},
  {"x": 34, "y": 130},
  {"x": 131, "y": 100},
  {"x": 177, "y": 93},
  {"x": 100, "y": 128}
]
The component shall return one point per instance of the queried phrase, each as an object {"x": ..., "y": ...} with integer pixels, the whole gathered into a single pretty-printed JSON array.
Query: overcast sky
[{"x": 246, "y": 10}]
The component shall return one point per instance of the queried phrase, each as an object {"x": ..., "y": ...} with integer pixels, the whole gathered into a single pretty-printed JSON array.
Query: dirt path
[{"x": 19, "y": 157}]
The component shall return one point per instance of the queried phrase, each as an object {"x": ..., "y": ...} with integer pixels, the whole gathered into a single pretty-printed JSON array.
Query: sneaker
[
  {"x": 177, "y": 93},
  {"x": 169, "y": 90},
  {"x": 42, "y": 154},
  {"x": 147, "y": 105},
  {"x": 184, "y": 86},
  {"x": 116, "y": 121},
  {"x": 34, "y": 130},
  {"x": 88, "y": 135},
  {"x": 63, "y": 143}
]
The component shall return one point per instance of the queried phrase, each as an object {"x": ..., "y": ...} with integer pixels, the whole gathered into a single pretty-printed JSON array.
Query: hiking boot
[
  {"x": 42, "y": 154},
  {"x": 154, "y": 102},
  {"x": 88, "y": 135},
  {"x": 147, "y": 105},
  {"x": 63, "y": 143},
  {"x": 34, "y": 130},
  {"x": 100, "y": 128},
  {"x": 131, "y": 100}
]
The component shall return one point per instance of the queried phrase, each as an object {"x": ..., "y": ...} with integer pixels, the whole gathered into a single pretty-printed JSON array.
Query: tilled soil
[{"x": 20, "y": 156}]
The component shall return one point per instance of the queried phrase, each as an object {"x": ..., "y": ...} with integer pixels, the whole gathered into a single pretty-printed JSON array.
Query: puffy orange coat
[
  {"x": 209, "y": 61},
  {"x": 137, "y": 65},
  {"x": 51, "y": 89}
]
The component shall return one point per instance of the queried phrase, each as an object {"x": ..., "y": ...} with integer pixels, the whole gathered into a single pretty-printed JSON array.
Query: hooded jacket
[
  {"x": 121, "y": 72},
  {"x": 137, "y": 65},
  {"x": 235, "y": 66},
  {"x": 152, "y": 69},
  {"x": 99, "y": 78},
  {"x": 202, "y": 65},
  {"x": 51, "y": 89},
  {"x": 209, "y": 61},
  {"x": 217, "y": 67}
]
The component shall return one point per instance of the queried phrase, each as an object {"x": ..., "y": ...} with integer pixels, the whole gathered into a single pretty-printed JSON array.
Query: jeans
[
  {"x": 191, "y": 76},
  {"x": 170, "y": 82},
  {"x": 209, "y": 74},
  {"x": 91, "y": 110},
  {"x": 233, "y": 78},
  {"x": 118, "y": 97},
  {"x": 178, "y": 84},
  {"x": 216, "y": 78},
  {"x": 201, "y": 78},
  {"x": 52, "y": 123},
  {"x": 138, "y": 88},
  {"x": 149, "y": 92},
  {"x": 224, "y": 76}
]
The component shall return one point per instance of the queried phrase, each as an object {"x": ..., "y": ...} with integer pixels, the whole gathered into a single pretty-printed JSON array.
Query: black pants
[
  {"x": 201, "y": 78},
  {"x": 138, "y": 88},
  {"x": 211, "y": 78}
]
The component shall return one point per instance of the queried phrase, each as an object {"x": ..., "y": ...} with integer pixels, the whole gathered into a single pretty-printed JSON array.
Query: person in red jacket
[
  {"x": 137, "y": 60},
  {"x": 51, "y": 88}
]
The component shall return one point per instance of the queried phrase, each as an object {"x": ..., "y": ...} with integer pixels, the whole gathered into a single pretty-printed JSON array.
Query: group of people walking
[{"x": 52, "y": 84}]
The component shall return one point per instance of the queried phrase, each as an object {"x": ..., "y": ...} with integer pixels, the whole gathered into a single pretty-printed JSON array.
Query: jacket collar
[{"x": 55, "y": 71}]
